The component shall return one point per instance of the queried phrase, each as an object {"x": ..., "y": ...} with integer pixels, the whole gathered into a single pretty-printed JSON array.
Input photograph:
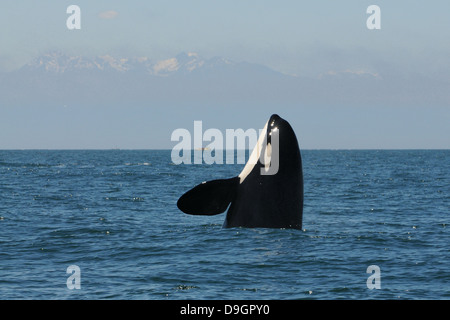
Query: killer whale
[{"x": 268, "y": 193}]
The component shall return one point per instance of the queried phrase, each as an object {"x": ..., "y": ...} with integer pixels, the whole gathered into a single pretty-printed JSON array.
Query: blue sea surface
[{"x": 113, "y": 214}]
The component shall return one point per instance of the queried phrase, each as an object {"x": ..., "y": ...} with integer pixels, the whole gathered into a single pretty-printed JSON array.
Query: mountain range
[
  {"x": 59, "y": 63},
  {"x": 56, "y": 78}
]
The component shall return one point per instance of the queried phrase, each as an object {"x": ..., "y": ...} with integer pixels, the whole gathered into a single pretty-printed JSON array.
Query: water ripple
[{"x": 113, "y": 213}]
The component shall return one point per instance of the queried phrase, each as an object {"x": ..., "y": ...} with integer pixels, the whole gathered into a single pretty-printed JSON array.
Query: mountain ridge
[
  {"x": 57, "y": 78},
  {"x": 58, "y": 62}
]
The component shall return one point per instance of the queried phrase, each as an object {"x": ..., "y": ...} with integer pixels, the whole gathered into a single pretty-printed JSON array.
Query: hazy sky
[
  {"x": 295, "y": 37},
  {"x": 298, "y": 37}
]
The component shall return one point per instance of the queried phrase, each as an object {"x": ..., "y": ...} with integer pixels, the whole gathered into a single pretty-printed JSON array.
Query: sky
[
  {"x": 281, "y": 34},
  {"x": 302, "y": 38}
]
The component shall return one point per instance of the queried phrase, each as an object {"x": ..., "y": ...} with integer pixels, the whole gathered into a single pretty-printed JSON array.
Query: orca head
[{"x": 276, "y": 147}]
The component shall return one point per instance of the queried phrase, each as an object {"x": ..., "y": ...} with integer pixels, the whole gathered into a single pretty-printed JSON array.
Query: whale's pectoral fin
[{"x": 209, "y": 198}]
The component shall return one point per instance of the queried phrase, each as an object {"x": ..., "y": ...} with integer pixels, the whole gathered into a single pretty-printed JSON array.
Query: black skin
[{"x": 260, "y": 201}]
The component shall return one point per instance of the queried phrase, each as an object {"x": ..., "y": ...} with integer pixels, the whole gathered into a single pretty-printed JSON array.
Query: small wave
[
  {"x": 185, "y": 287},
  {"x": 24, "y": 165},
  {"x": 133, "y": 199}
]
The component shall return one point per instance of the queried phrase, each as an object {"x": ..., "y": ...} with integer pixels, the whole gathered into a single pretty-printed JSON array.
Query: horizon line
[{"x": 169, "y": 149}]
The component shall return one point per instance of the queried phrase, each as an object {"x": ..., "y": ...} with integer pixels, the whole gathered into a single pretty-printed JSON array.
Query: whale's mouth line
[{"x": 266, "y": 150}]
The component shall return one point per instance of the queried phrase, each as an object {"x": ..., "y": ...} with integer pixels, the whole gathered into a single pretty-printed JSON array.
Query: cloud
[{"x": 110, "y": 14}]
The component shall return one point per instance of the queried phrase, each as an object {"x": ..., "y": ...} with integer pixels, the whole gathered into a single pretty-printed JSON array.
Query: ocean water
[{"x": 113, "y": 214}]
